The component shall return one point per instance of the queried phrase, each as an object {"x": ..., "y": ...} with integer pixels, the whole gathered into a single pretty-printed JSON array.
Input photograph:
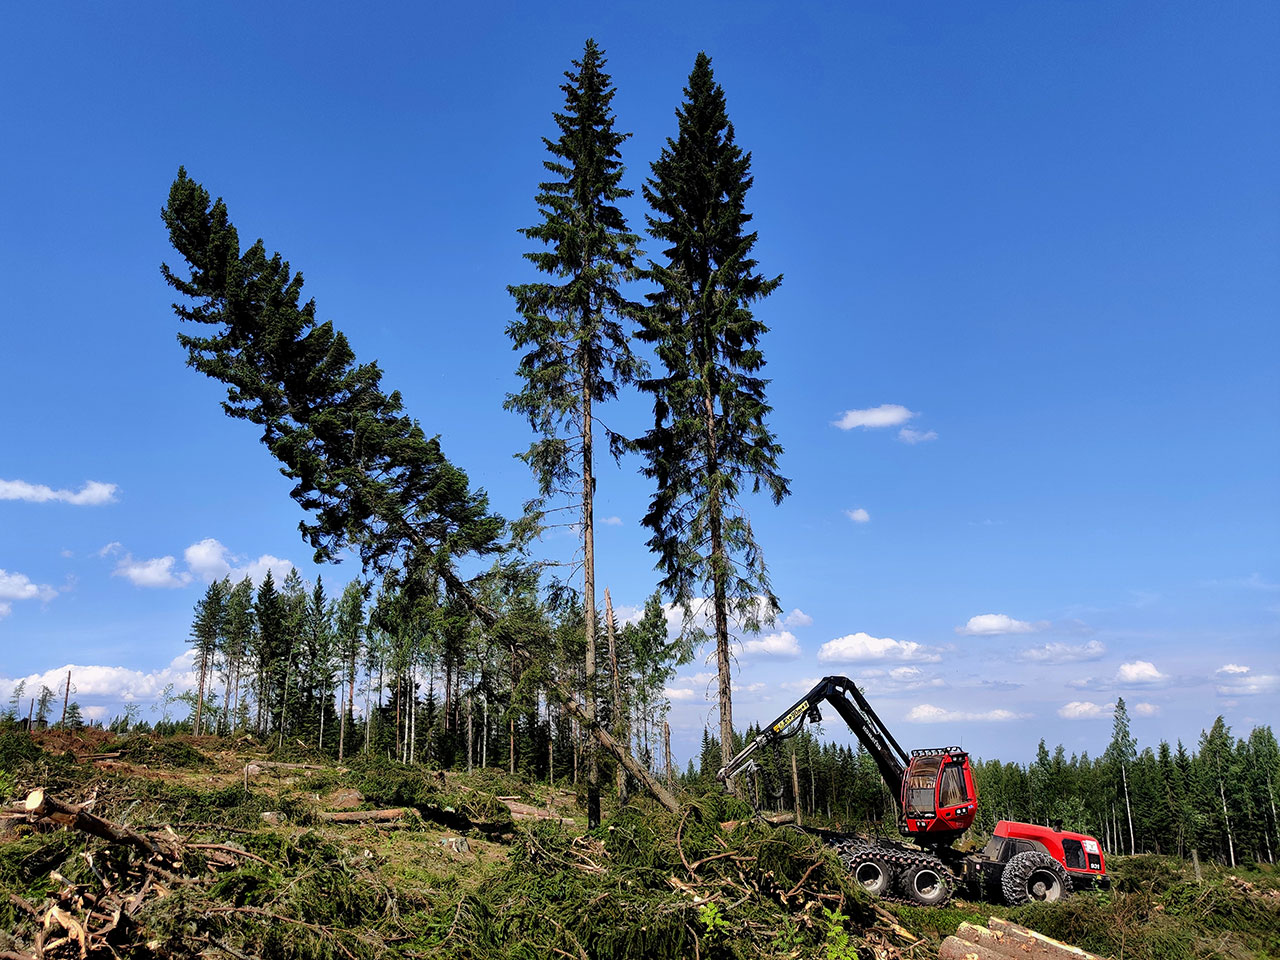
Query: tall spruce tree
[
  {"x": 576, "y": 350},
  {"x": 206, "y": 633},
  {"x": 710, "y": 438},
  {"x": 1120, "y": 754}
]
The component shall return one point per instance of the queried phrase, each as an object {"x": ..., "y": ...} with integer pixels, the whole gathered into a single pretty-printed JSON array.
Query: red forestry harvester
[{"x": 937, "y": 802}]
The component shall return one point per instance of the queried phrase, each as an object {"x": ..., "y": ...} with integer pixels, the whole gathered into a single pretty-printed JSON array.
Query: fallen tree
[{"x": 366, "y": 473}]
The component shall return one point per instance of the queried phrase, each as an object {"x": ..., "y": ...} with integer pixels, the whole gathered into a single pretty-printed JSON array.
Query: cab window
[
  {"x": 952, "y": 792},
  {"x": 922, "y": 779},
  {"x": 1073, "y": 854}
]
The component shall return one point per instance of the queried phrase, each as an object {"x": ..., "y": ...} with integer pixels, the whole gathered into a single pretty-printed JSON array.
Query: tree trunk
[
  {"x": 795, "y": 786},
  {"x": 204, "y": 670},
  {"x": 66, "y": 698},
  {"x": 413, "y": 713},
  {"x": 719, "y": 577},
  {"x": 666, "y": 751},
  {"x": 448, "y": 686},
  {"x": 1124, "y": 775},
  {"x": 1226, "y": 817},
  {"x": 470, "y": 734},
  {"x": 589, "y": 598},
  {"x": 619, "y": 712}
]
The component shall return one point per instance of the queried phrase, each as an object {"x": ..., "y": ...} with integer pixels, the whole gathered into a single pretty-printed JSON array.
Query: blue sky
[{"x": 1040, "y": 238}]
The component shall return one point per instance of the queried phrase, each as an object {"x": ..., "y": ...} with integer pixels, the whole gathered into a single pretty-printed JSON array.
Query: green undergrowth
[
  {"x": 645, "y": 884},
  {"x": 624, "y": 890},
  {"x": 156, "y": 751},
  {"x": 24, "y": 766},
  {"x": 1155, "y": 911}
]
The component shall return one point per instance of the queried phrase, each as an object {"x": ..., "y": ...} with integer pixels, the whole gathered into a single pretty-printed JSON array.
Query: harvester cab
[{"x": 938, "y": 798}]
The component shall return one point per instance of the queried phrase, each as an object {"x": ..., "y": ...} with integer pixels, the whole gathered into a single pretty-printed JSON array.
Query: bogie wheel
[
  {"x": 927, "y": 885},
  {"x": 1032, "y": 876},
  {"x": 869, "y": 871}
]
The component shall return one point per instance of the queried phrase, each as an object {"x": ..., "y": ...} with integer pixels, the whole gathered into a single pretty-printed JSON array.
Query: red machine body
[{"x": 1079, "y": 853}]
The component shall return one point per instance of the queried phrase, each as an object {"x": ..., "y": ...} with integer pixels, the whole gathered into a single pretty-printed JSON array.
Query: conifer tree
[
  {"x": 1120, "y": 754},
  {"x": 349, "y": 629},
  {"x": 238, "y": 637},
  {"x": 15, "y": 700},
  {"x": 577, "y": 352},
  {"x": 270, "y": 613},
  {"x": 206, "y": 632},
  {"x": 710, "y": 439}
]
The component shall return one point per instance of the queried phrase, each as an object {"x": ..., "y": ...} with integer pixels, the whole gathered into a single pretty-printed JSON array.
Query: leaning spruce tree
[
  {"x": 570, "y": 327},
  {"x": 709, "y": 438},
  {"x": 365, "y": 473}
]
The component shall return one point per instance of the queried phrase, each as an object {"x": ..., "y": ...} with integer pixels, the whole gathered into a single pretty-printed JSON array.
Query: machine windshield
[{"x": 922, "y": 777}]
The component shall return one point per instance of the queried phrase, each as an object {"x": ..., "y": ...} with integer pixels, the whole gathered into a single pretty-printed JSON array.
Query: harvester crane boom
[{"x": 848, "y": 701}]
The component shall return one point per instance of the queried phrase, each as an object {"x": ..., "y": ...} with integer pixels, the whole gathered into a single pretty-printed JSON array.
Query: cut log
[
  {"x": 527, "y": 811},
  {"x": 1032, "y": 945},
  {"x": 367, "y": 816},
  {"x": 953, "y": 948},
  {"x": 40, "y": 805}
]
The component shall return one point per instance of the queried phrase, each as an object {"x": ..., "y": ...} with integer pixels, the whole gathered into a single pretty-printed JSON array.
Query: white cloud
[
  {"x": 782, "y": 644},
  {"x": 861, "y": 647},
  {"x": 1064, "y": 652},
  {"x": 18, "y": 586},
  {"x": 901, "y": 679},
  {"x": 1139, "y": 672},
  {"x": 993, "y": 624},
  {"x": 208, "y": 559},
  {"x": 797, "y": 618},
  {"x": 678, "y": 693},
  {"x": 116, "y": 683},
  {"x": 800, "y": 686},
  {"x": 157, "y": 572},
  {"x": 928, "y": 713},
  {"x": 908, "y": 435},
  {"x": 5, "y": 610},
  {"x": 1084, "y": 710},
  {"x": 92, "y": 494},
  {"x": 1237, "y": 681},
  {"x": 885, "y": 415},
  {"x": 1146, "y": 709},
  {"x": 612, "y": 521},
  {"x": 858, "y": 516}
]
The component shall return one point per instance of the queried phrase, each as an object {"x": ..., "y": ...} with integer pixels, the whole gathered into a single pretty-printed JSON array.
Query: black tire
[
  {"x": 1033, "y": 876},
  {"x": 926, "y": 884},
  {"x": 869, "y": 871}
]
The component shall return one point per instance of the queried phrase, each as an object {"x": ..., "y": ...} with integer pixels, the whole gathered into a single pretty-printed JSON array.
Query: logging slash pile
[
  {"x": 214, "y": 849},
  {"x": 229, "y": 852}
]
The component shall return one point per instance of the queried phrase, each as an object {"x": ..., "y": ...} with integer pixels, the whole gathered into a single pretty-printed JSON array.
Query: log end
[{"x": 35, "y": 801}]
